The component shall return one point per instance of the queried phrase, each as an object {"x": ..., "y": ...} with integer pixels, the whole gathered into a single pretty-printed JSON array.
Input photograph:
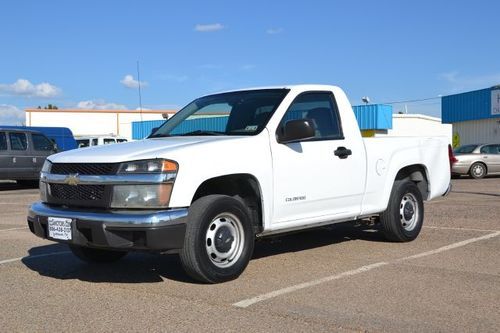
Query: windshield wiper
[
  {"x": 159, "y": 136},
  {"x": 201, "y": 132}
]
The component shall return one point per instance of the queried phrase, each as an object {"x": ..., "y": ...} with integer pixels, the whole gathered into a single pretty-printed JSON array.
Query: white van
[{"x": 98, "y": 140}]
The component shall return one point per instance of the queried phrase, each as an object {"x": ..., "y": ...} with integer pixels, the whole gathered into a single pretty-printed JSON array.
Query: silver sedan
[{"x": 477, "y": 160}]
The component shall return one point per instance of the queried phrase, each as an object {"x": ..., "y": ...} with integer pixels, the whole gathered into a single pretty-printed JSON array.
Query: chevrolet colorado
[{"x": 232, "y": 167}]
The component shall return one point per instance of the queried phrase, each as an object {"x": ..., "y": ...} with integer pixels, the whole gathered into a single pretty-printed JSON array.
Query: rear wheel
[
  {"x": 92, "y": 255},
  {"x": 404, "y": 216},
  {"x": 219, "y": 239},
  {"x": 477, "y": 170}
]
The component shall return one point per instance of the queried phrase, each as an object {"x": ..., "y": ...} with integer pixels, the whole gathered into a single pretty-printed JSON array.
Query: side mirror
[
  {"x": 56, "y": 148},
  {"x": 296, "y": 130}
]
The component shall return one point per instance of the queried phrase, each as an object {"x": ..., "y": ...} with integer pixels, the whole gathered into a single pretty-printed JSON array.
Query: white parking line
[
  {"x": 10, "y": 229},
  {"x": 459, "y": 229},
  {"x": 6, "y": 261},
  {"x": 250, "y": 301}
]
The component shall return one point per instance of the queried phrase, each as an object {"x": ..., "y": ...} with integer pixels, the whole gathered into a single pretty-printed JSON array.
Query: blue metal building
[
  {"x": 475, "y": 116},
  {"x": 371, "y": 118}
]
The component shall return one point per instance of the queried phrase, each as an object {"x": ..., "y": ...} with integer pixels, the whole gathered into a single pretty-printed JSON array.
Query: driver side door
[{"x": 311, "y": 182}]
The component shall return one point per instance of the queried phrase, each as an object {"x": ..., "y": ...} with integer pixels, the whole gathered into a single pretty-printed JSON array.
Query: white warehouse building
[
  {"x": 419, "y": 125},
  {"x": 93, "y": 122}
]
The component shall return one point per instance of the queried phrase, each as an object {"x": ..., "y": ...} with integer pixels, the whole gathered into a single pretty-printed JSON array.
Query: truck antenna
[{"x": 139, "y": 86}]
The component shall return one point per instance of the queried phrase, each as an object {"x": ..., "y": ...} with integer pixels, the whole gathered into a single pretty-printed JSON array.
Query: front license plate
[{"x": 59, "y": 228}]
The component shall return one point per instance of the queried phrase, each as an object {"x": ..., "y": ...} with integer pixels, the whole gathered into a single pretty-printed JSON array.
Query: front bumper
[{"x": 122, "y": 230}]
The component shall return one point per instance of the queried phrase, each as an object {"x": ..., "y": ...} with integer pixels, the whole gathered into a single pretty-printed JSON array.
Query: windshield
[
  {"x": 235, "y": 113},
  {"x": 465, "y": 149}
]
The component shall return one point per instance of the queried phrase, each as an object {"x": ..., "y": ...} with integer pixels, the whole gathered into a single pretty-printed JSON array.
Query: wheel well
[
  {"x": 417, "y": 174},
  {"x": 242, "y": 186}
]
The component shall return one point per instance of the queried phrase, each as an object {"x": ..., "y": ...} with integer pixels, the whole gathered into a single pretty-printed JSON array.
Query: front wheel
[
  {"x": 219, "y": 239},
  {"x": 92, "y": 255},
  {"x": 404, "y": 216}
]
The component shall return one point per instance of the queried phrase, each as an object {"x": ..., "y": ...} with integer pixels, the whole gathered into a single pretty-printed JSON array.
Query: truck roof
[{"x": 289, "y": 86}]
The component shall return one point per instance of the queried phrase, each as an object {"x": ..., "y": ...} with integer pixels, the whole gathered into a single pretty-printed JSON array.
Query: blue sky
[{"x": 84, "y": 53}]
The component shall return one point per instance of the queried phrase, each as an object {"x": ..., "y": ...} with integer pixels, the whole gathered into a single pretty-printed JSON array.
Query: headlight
[
  {"x": 47, "y": 165},
  {"x": 141, "y": 196},
  {"x": 145, "y": 196},
  {"x": 148, "y": 166}
]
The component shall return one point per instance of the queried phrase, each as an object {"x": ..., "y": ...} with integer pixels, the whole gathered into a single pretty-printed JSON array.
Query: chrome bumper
[
  {"x": 152, "y": 230},
  {"x": 115, "y": 218}
]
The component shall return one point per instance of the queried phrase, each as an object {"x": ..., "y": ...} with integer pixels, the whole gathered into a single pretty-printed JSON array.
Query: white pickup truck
[{"x": 232, "y": 167}]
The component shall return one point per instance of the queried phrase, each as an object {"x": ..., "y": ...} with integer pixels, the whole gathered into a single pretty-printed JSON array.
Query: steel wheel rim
[
  {"x": 224, "y": 240},
  {"x": 478, "y": 170},
  {"x": 408, "y": 212}
]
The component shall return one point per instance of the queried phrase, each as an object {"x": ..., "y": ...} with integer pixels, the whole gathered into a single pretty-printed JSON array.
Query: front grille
[
  {"x": 79, "y": 192},
  {"x": 84, "y": 168}
]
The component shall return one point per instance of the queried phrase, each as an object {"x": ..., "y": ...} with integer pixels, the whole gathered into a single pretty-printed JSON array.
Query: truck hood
[{"x": 137, "y": 150}]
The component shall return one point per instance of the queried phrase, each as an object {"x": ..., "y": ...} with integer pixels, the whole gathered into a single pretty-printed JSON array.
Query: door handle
[{"x": 342, "y": 152}]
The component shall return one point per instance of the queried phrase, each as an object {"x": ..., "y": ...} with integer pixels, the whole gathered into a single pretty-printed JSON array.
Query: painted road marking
[
  {"x": 250, "y": 301},
  {"x": 6, "y": 261},
  {"x": 10, "y": 229},
  {"x": 247, "y": 302},
  {"x": 459, "y": 229}
]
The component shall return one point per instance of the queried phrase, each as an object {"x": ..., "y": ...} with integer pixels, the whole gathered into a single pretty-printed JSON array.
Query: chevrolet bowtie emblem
[{"x": 72, "y": 179}]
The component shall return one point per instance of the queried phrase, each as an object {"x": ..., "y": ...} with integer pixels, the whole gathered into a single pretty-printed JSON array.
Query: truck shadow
[
  {"x": 57, "y": 262},
  {"x": 314, "y": 238}
]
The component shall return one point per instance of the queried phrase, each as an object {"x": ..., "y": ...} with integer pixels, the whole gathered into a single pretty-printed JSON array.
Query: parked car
[
  {"x": 477, "y": 160},
  {"x": 22, "y": 154},
  {"x": 61, "y": 136},
  {"x": 98, "y": 140},
  {"x": 287, "y": 158}
]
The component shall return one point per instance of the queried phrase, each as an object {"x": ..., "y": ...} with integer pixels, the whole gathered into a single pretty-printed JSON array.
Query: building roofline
[
  {"x": 101, "y": 111},
  {"x": 415, "y": 115}
]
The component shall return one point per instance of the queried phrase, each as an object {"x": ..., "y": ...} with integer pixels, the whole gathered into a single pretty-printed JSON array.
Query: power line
[{"x": 413, "y": 100}]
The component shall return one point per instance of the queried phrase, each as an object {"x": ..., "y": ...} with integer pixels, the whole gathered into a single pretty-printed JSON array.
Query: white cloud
[
  {"x": 208, "y": 27},
  {"x": 11, "y": 115},
  {"x": 274, "y": 31},
  {"x": 461, "y": 82},
  {"x": 100, "y": 105},
  {"x": 129, "y": 82},
  {"x": 23, "y": 87}
]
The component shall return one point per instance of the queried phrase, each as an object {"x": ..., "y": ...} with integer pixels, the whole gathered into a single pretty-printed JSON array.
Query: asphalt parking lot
[{"x": 340, "y": 278}]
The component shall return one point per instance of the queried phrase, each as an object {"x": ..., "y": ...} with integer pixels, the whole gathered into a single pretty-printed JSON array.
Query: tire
[
  {"x": 404, "y": 216},
  {"x": 92, "y": 255},
  {"x": 219, "y": 239},
  {"x": 477, "y": 170}
]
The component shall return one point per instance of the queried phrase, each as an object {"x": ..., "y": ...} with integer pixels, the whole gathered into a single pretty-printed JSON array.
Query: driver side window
[{"x": 320, "y": 109}]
